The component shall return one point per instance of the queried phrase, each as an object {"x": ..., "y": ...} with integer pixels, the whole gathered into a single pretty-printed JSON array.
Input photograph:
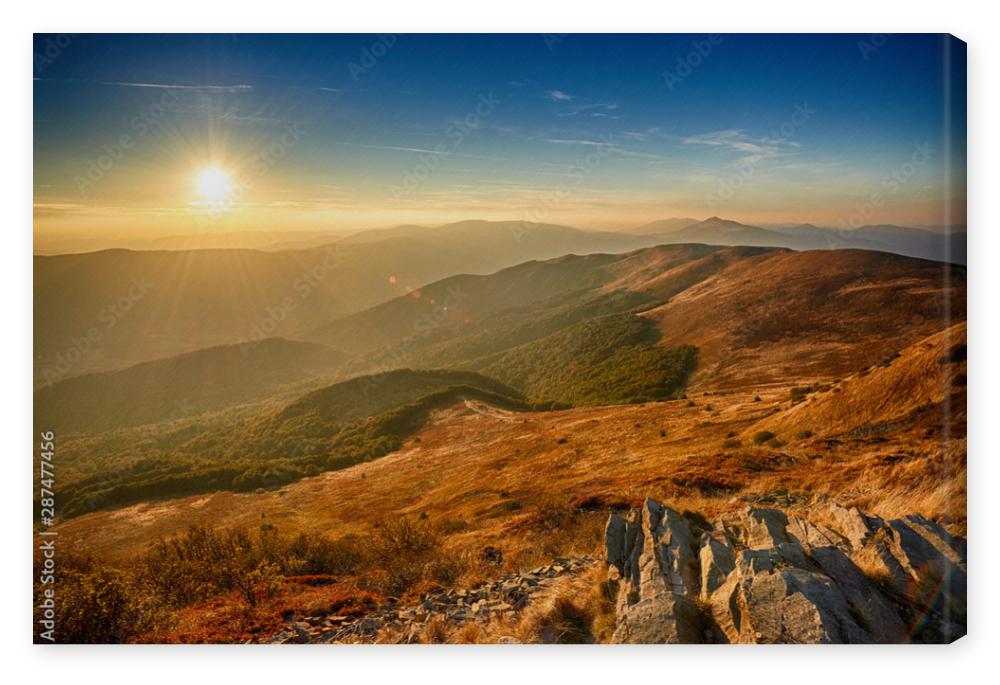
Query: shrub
[
  {"x": 315, "y": 554},
  {"x": 731, "y": 443},
  {"x": 762, "y": 437},
  {"x": 799, "y": 393},
  {"x": 104, "y": 605},
  {"x": 202, "y": 562},
  {"x": 400, "y": 549}
]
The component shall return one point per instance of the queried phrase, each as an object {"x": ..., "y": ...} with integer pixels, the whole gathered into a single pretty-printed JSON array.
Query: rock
[
  {"x": 787, "y": 604},
  {"x": 916, "y": 569},
  {"x": 872, "y": 609},
  {"x": 656, "y": 565},
  {"x": 948, "y": 546},
  {"x": 717, "y": 563},
  {"x": 853, "y": 525},
  {"x": 765, "y": 577}
]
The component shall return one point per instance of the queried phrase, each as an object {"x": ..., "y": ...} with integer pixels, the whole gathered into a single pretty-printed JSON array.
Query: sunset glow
[
  {"x": 214, "y": 185},
  {"x": 448, "y": 128}
]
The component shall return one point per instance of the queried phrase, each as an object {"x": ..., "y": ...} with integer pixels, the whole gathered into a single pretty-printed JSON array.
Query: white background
[{"x": 965, "y": 661}]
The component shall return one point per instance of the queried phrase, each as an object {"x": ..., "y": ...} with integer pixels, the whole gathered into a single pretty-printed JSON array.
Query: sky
[{"x": 181, "y": 134}]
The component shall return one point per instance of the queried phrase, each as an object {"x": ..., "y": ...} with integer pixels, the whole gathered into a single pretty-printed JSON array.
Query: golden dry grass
[
  {"x": 506, "y": 480},
  {"x": 538, "y": 485}
]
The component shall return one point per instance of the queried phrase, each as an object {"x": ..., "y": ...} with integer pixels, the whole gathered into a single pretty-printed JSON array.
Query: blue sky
[{"x": 604, "y": 131}]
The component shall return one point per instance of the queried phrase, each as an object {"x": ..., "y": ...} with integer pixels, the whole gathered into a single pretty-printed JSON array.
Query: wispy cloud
[
  {"x": 606, "y": 145},
  {"x": 753, "y": 150},
  {"x": 577, "y": 141},
  {"x": 395, "y": 148},
  {"x": 417, "y": 150},
  {"x": 574, "y": 105},
  {"x": 178, "y": 86},
  {"x": 583, "y": 107}
]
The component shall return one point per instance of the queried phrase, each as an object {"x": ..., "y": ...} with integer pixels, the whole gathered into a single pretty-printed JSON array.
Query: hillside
[
  {"x": 455, "y": 303},
  {"x": 923, "y": 383},
  {"x": 328, "y": 429},
  {"x": 777, "y": 315},
  {"x": 606, "y": 360},
  {"x": 370, "y": 395},
  {"x": 110, "y": 309},
  {"x": 181, "y": 386},
  {"x": 757, "y": 315},
  {"x": 715, "y": 378},
  {"x": 509, "y": 475},
  {"x": 469, "y": 491},
  {"x": 718, "y": 231}
]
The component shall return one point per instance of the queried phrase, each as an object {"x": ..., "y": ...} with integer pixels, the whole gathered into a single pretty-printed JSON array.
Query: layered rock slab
[{"x": 762, "y": 576}]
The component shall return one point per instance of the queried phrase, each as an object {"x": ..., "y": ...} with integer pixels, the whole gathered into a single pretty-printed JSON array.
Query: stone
[
  {"x": 869, "y": 606},
  {"x": 717, "y": 562},
  {"x": 787, "y": 604},
  {"x": 853, "y": 525},
  {"x": 917, "y": 571},
  {"x": 656, "y": 564},
  {"x": 762, "y": 576}
]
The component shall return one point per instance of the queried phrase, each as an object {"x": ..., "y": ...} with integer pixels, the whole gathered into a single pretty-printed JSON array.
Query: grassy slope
[
  {"x": 180, "y": 386},
  {"x": 544, "y": 328},
  {"x": 327, "y": 429},
  {"x": 438, "y": 310},
  {"x": 776, "y": 315},
  {"x": 501, "y": 474},
  {"x": 920, "y": 377},
  {"x": 606, "y": 360}
]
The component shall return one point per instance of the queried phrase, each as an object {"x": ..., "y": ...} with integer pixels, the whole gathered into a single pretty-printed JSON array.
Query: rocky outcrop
[{"x": 763, "y": 576}]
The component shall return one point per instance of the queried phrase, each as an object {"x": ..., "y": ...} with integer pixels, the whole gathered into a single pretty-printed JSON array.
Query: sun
[{"x": 214, "y": 184}]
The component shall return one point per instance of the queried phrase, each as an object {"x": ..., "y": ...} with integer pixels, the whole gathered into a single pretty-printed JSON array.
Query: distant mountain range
[
  {"x": 107, "y": 309},
  {"x": 772, "y": 312},
  {"x": 944, "y": 246},
  {"x": 113, "y": 308}
]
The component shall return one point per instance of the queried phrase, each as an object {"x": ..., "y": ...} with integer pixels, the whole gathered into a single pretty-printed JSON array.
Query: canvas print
[{"x": 552, "y": 338}]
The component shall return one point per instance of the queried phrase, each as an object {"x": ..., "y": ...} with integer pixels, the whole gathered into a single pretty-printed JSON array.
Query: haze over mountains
[
  {"x": 574, "y": 329},
  {"x": 946, "y": 246},
  {"x": 112, "y": 308}
]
